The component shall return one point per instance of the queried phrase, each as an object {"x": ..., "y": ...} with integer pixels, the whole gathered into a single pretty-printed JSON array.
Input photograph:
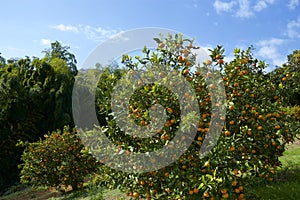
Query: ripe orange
[
  {"x": 167, "y": 124},
  {"x": 218, "y": 56},
  {"x": 234, "y": 183},
  {"x": 283, "y": 79},
  {"x": 196, "y": 190},
  {"x": 161, "y": 45},
  {"x": 237, "y": 190},
  {"x": 241, "y": 196},
  {"x": 259, "y": 128},
  {"x": 185, "y": 72},
  {"x": 185, "y": 52},
  {"x": 249, "y": 132},
  {"x": 227, "y": 133},
  {"x": 223, "y": 191},
  {"x": 197, "y": 73},
  {"x": 170, "y": 110},
  {"x": 231, "y": 107},
  {"x": 191, "y": 192},
  {"x": 135, "y": 194},
  {"x": 260, "y": 117},
  {"x": 129, "y": 194},
  {"x": 245, "y": 71},
  {"x": 179, "y": 58},
  {"x": 220, "y": 62},
  {"x": 187, "y": 63},
  {"x": 142, "y": 182},
  {"x": 206, "y": 194},
  {"x": 236, "y": 172}
]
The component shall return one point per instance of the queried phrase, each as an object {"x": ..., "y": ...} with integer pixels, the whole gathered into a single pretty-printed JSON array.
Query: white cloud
[
  {"x": 262, "y": 4},
  {"x": 293, "y": 28},
  {"x": 118, "y": 37},
  {"x": 221, "y": 6},
  {"x": 244, "y": 10},
  {"x": 269, "y": 49},
  {"x": 65, "y": 28},
  {"x": 45, "y": 41},
  {"x": 96, "y": 34},
  {"x": 293, "y": 4}
]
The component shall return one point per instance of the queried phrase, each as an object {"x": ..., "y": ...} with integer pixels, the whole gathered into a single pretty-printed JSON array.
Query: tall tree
[
  {"x": 35, "y": 98},
  {"x": 62, "y": 52}
]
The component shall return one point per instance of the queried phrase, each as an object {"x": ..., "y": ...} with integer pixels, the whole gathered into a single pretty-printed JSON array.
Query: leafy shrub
[
  {"x": 294, "y": 111},
  {"x": 60, "y": 160}
]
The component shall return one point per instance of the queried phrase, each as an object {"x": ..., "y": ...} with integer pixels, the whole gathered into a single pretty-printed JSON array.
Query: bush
[
  {"x": 60, "y": 160},
  {"x": 294, "y": 111},
  {"x": 253, "y": 138}
]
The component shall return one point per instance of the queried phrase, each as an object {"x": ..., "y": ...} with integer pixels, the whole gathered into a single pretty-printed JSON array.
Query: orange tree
[
  {"x": 252, "y": 139},
  {"x": 288, "y": 77},
  {"x": 60, "y": 160}
]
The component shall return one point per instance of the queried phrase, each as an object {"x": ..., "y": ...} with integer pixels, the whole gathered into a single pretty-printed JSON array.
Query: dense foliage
[
  {"x": 60, "y": 160},
  {"x": 254, "y": 136},
  {"x": 259, "y": 122},
  {"x": 35, "y": 98},
  {"x": 288, "y": 77}
]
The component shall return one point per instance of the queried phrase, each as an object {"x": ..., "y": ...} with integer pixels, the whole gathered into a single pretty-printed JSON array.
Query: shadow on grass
[{"x": 286, "y": 186}]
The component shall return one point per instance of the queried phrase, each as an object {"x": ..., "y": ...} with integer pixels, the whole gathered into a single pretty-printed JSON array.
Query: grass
[{"x": 286, "y": 186}]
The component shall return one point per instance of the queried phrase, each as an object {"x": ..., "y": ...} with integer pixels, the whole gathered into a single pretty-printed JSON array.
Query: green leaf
[{"x": 157, "y": 40}]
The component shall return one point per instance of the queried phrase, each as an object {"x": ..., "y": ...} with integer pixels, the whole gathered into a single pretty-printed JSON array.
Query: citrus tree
[
  {"x": 251, "y": 141},
  {"x": 60, "y": 160},
  {"x": 288, "y": 77}
]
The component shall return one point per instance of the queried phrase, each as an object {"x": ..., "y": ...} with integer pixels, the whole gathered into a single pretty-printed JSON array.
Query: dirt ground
[{"x": 30, "y": 194}]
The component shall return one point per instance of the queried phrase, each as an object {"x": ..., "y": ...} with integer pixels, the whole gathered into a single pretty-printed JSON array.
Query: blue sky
[{"x": 271, "y": 26}]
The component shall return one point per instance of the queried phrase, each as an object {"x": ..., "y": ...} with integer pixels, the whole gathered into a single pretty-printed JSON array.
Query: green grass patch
[{"x": 286, "y": 185}]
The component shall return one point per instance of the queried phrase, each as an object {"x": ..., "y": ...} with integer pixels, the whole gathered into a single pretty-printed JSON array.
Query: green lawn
[{"x": 287, "y": 182}]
